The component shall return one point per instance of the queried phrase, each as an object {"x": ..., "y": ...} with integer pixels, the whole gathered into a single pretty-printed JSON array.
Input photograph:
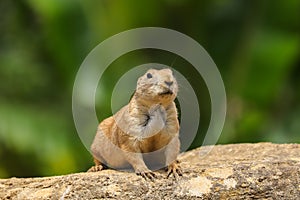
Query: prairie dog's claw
[
  {"x": 147, "y": 175},
  {"x": 95, "y": 168}
]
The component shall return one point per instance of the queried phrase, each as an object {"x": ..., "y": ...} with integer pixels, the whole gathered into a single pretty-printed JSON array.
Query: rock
[{"x": 235, "y": 171}]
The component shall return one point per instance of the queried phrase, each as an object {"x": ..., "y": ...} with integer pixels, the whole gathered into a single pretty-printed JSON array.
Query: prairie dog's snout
[
  {"x": 169, "y": 83},
  {"x": 167, "y": 78}
]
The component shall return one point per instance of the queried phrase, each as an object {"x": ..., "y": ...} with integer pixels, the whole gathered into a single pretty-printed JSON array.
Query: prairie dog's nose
[{"x": 169, "y": 83}]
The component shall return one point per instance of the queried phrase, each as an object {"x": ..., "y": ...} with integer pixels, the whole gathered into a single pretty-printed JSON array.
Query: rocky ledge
[{"x": 235, "y": 171}]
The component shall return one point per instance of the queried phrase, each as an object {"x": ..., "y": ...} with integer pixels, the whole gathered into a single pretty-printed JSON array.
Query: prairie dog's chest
[
  {"x": 155, "y": 142},
  {"x": 159, "y": 140}
]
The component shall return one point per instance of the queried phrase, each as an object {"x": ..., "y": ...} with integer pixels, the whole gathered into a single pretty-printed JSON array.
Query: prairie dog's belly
[{"x": 153, "y": 149}]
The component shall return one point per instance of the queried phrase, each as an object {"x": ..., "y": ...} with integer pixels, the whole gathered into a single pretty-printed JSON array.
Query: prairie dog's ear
[
  {"x": 151, "y": 71},
  {"x": 168, "y": 70},
  {"x": 146, "y": 78}
]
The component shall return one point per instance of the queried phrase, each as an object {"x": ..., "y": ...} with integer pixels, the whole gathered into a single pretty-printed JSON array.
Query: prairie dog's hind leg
[{"x": 98, "y": 166}]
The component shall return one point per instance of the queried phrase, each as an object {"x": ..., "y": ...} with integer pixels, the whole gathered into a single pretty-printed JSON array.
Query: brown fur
[{"x": 147, "y": 124}]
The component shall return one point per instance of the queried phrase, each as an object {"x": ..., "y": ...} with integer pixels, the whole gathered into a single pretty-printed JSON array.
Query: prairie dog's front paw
[
  {"x": 157, "y": 121},
  {"x": 174, "y": 169},
  {"x": 153, "y": 109},
  {"x": 163, "y": 113},
  {"x": 158, "y": 111}
]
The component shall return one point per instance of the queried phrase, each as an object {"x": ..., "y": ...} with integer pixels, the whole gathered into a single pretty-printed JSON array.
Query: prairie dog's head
[{"x": 159, "y": 86}]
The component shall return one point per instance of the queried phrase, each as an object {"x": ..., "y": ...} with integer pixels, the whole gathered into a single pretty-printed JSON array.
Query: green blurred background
[{"x": 255, "y": 44}]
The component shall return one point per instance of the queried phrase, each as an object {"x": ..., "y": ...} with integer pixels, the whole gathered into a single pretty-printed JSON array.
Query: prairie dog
[{"x": 147, "y": 124}]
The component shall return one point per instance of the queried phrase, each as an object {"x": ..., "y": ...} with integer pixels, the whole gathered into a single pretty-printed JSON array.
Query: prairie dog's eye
[{"x": 149, "y": 75}]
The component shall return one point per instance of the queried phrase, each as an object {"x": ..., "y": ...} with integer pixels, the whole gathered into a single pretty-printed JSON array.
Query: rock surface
[{"x": 247, "y": 171}]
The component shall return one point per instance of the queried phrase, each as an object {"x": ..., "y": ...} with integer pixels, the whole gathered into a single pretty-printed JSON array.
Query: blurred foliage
[{"x": 255, "y": 44}]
